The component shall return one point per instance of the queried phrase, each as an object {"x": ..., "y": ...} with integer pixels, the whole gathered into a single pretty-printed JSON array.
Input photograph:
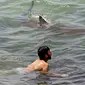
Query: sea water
[{"x": 19, "y": 43}]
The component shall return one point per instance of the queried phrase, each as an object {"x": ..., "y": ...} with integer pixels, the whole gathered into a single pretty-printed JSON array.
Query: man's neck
[{"x": 45, "y": 60}]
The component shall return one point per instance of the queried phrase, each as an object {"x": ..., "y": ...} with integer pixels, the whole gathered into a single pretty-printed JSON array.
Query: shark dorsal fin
[{"x": 42, "y": 21}]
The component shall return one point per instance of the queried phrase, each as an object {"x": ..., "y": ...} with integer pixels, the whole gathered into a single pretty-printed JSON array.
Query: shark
[
  {"x": 34, "y": 22},
  {"x": 39, "y": 22}
]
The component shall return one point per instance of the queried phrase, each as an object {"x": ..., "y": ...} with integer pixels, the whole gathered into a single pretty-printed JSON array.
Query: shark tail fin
[
  {"x": 29, "y": 12},
  {"x": 42, "y": 21}
]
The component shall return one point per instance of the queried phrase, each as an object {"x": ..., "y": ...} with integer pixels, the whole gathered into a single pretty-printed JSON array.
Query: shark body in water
[
  {"x": 41, "y": 22},
  {"x": 34, "y": 22}
]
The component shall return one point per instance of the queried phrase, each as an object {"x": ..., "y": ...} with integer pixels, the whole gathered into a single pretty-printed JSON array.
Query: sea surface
[{"x": 19, "y": 43}]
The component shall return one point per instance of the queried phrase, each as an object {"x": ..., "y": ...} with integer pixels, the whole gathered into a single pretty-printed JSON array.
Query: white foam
[{"x": 20, "y": 70}]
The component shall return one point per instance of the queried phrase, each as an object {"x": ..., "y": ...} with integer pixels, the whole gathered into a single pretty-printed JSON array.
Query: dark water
[{"x": 19, "y": 43}]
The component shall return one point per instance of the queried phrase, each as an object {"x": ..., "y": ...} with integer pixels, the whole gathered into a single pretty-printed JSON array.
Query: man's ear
[{"x": 46, "y": 56}]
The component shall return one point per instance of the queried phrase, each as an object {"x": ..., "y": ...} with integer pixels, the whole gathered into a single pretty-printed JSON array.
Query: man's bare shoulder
[{"x": 42, "y": 62}]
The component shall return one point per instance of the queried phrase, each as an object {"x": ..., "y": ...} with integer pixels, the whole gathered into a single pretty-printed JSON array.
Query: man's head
[{"x": 44, "y": 53}]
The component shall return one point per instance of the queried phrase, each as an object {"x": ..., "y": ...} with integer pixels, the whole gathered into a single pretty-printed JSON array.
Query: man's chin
[{"x": 49, "y": 59}]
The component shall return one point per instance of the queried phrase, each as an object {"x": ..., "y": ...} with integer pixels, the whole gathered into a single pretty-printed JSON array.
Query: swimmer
[{"x": 41, "y": 64}]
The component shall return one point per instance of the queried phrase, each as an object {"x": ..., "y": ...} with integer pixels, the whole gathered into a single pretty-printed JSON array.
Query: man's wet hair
[{"x": 42, "y": 51}]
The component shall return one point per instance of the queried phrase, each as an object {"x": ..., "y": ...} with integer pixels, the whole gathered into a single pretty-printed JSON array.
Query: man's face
[{"x": 49, "y": 54}]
